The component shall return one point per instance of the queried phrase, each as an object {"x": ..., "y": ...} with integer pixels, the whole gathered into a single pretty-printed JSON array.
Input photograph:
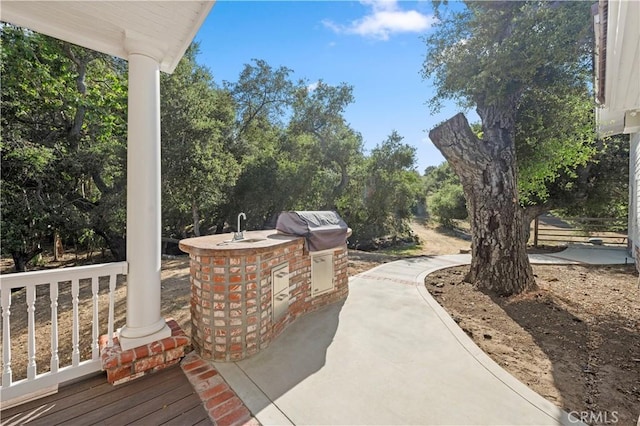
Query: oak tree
[
  {"x": 490, "y": 55},
  {"x": 198, "y": 169},
  {"x": 63, "y": 144}
]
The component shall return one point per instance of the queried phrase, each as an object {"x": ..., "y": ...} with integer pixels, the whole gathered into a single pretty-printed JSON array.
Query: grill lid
[{"x": 322, "y": 229}]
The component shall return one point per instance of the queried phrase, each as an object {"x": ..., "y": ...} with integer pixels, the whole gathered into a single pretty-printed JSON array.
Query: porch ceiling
[
  {"x": 165, "y": 28},
  {"x": 622, "y": 75}
]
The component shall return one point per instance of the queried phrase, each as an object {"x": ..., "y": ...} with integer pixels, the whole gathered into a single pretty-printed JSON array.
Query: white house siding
[
  {"x": 634, "y": 195},
  {"x": 618, "y": 78}
]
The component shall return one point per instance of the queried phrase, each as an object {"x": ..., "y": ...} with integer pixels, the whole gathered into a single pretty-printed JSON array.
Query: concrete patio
[{"x": 389, "y": 354}]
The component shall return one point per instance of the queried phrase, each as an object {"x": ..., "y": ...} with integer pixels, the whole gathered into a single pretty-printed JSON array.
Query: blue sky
[{"x": 374, "y": 46}]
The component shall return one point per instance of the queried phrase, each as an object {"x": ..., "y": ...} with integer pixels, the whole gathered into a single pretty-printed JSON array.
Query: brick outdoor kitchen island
[{"x": 245, "y": 293}]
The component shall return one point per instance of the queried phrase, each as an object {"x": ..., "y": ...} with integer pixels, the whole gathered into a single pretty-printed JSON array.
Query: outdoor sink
[
  {"x": 248, "y": 240},
  {"x": 238, "y": 236},
  {"x": 245, "y": 240}
]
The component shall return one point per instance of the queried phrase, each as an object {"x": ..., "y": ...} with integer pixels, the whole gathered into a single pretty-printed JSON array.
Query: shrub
[{"x": 447, "y": 203}]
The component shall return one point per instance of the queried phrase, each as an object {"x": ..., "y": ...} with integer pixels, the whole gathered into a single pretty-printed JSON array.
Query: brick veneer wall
[
  {"x": 122, "y": 366},
  {"x": 231, "y": 310}
]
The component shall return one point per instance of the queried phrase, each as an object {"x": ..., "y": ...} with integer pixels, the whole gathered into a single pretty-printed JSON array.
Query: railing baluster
[
  {"x": 95, "y": 351},
  {"x": 75, "y": 354},
  {"x": 5, "y": 296},
  {"x": 52, "y": 278},
  {"x": 112, "y": 303},
  {"x": 31, "y": 335},
  {"x": 53, "y": 295}
]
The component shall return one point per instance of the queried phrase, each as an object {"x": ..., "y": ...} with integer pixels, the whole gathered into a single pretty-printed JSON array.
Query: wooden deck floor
[{"x": 162, "y": 398}]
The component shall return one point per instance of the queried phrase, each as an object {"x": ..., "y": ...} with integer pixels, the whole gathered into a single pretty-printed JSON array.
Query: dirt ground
[{"x": 576, "y": 341}]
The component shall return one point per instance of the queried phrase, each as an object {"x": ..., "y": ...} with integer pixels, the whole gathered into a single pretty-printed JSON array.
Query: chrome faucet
[{"x": 239, "y": 235}]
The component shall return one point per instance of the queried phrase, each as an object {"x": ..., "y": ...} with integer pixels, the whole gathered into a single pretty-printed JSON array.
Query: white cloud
[
  {"x": 381, "y": 4},
  {"x": 384, "y": 19},
  {"x": 313, "y": 86}
]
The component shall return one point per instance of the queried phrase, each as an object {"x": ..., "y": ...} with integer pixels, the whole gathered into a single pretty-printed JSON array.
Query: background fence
[{"x": 551, "y": 230}]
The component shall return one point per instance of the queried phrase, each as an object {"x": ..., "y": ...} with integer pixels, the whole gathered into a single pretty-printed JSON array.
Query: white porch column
[{"x": 144, "y": 322}]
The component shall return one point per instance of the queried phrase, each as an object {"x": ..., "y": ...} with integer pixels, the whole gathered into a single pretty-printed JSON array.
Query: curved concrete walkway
[{"x": 390, "y": 355}]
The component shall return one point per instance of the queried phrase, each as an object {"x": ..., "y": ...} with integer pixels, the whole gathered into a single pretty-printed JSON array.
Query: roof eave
[
  {"x": 21, "y": 13},
  {"x": 171, "y": 65}
]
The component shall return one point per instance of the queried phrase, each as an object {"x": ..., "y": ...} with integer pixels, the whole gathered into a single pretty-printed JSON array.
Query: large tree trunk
[
  {"x": 487, "y": 170},
  {"x": 195, "y": 216},
  {"x": 58, "y": 249},
  {"x": 117, "y": 245},
  {"x": 344, "y": 181},
  {"x": 22, "y": 258}
]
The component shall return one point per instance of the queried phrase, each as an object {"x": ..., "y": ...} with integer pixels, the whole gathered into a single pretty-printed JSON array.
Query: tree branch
[
  {"x": 97, "y": 179},
  {"x": 459, "y": 145}
]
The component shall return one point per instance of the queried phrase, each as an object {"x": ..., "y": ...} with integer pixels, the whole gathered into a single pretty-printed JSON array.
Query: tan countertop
[{"x": 222, "y": 244}]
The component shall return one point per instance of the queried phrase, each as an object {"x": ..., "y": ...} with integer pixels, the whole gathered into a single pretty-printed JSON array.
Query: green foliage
[
  {"x": 437, "y": 176},
  {"x": 491, "y": 53},
  {"x": 318, "y": 113},
  {"x": 554, "y": 137},
  {"x": 389, "y": 187},
  {"x": 297, "y": 152},
  {"x": 262, "y": 98},
  {"x": 444, "y": 194},
  {"x": 601, "y": 187},
  {"x": 447, "y": 204},
  {"x": 198, "y": 168},
  {"x": 25, "y": 216},
  {"x": 63, "y": 142}
]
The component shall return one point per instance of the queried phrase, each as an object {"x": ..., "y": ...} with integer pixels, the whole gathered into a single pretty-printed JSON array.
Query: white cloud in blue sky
[{"x": 384, "y": 19}]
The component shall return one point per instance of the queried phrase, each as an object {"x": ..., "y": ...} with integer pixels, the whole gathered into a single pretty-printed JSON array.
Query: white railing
[{"x": 35, "y": 385}]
